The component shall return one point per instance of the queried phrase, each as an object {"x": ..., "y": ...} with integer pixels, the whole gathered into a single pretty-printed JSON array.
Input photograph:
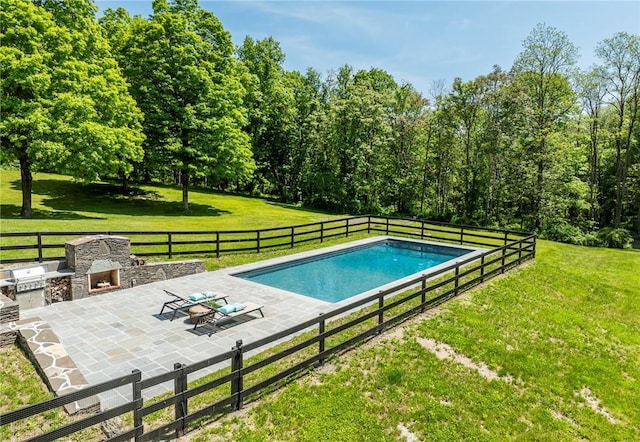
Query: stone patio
[{"x": 109, "y": 335}]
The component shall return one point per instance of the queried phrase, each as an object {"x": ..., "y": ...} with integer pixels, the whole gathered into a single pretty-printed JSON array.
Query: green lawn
[
  {"x": 20, "y": 385},
  {"x": 63, "y": 205},
  {"x": 562, "y": 337}
]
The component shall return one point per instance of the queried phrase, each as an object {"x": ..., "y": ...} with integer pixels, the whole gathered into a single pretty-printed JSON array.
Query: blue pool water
[{"x": 339, "y": 275}]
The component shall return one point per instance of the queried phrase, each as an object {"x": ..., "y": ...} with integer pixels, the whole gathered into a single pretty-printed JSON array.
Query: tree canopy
[
  {"x": 540, "y": 146},
  {"x": 65, "y": 104},
  {"x": 188, "y": 84}
]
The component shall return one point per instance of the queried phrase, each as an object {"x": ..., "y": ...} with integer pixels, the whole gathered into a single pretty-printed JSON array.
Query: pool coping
[
  {"x": 430, "y": 272},
  {"x": 110, "y": 334}
]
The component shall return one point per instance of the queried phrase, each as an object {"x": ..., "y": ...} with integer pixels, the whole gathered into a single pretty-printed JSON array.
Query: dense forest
[{"x": 540, "y": 146}]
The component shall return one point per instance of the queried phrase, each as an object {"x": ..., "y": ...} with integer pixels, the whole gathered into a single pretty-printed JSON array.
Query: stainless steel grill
[{"x": 30, "y": 278}]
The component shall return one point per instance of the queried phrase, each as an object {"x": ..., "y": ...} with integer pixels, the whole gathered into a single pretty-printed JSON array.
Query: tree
[
  {"x": 307, "y": 120},
  {"x": 591, "y": 90},
  {"x": 543, "y": 67},
  {"x": 188, "y": 84},
  {"x": 621, "y": 57},
  {"x": 466, "y": 101},
  {"x": 358, "y": 135},
  {"x": 65, "y": 103},
  {"x": 270, "y": 104},
  {"x": 401, "y": 171}
]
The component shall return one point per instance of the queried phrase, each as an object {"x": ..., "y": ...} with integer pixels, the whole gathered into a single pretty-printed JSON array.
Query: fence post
[
  {"x": 482, "y": 268},
  {"x": 347, "y": 229},
  {"x": 504, "y": 252},
  {"x": 137, "y": 399},
  {"x": 380, "y": 313},
  {"x": 257, "y": 241},
  {"x": 387, "y": 226},
  {"x": 423, "y": 298},
  {"x": 39, "y": 235},
  {"x": 179, "y": 387},
  {"x": 533, "y": 252},
  {"x": 422, "y": 229},
  {"x": 170, "y": 245},
  {"x": 217, "y": 244},
  {"x": 368, "y": 224},
  {"x": 236, "y": 382},
  {"x": 461, "y": 235},
  {"x": 456, "y": 282},
  {"x": 292, "y": 236},
  {"x": 520, "y": 245},
  {"x": 321, "y": 329}
]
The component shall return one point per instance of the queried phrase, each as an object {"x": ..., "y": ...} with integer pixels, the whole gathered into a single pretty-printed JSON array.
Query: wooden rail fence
[
  {"x": 309, "y": 343},
  {"x": 16, "y": 247}
]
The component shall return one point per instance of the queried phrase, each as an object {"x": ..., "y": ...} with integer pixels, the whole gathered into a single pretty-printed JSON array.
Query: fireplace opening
[{"x": 102, "y": 281}]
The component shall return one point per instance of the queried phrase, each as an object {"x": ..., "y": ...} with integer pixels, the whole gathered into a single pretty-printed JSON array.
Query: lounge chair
[
  {"x": 215, "y": 315},
  {"x": 184, "y": 302}
]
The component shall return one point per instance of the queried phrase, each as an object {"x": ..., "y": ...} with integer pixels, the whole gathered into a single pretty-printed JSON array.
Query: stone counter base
[{"x": 9, "y": 310}]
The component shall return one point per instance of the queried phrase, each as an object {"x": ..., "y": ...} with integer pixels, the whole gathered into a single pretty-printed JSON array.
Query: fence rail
[
  {"x": 49, "y": 246},
  {"x": 311, "y": 342}
]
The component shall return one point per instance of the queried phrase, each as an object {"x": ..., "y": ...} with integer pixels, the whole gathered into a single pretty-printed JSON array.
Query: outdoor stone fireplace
[
  {"x": 102, "y": 263},
  {"x": 92, "y": 265},
  {"x": 97, "y": 262}
]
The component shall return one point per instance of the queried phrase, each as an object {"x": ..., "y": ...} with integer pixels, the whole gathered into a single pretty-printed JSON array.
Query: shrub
[
  {"x": 565, "y": 232},
  {"x": 615, "y": 238},
  {"x": 591, "y": 240}
]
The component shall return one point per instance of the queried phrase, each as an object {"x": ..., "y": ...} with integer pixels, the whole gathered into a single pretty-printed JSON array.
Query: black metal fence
[
  {"x": 305, "y": 346},
  {"x": 46, "y": 246}
]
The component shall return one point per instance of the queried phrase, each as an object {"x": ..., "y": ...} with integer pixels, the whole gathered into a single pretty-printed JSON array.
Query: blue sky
[{"x": 415, "y": 41}]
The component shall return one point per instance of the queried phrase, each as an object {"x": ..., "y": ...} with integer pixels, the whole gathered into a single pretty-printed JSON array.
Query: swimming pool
[{"x": 341, "y": 274}]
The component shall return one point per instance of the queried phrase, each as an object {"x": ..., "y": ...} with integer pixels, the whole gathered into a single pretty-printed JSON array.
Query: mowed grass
[
  {"x": 60, "y": 204},
  {"x": 561, "y": 336}
]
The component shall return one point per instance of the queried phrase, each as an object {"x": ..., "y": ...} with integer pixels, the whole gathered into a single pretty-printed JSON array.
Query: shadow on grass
[
  {"x": 11, "y": 211},
  {"x": 67, "y": 198},
  {"x": 304, "y": 208}
]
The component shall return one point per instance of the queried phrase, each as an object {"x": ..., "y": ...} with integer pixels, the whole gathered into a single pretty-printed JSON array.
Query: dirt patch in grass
[
  {"x": 407, "y": 435},
  {"x": 594, "y": 403},
  {"x": 445, "y": 351},
  {"x": 561, "y": 417}
]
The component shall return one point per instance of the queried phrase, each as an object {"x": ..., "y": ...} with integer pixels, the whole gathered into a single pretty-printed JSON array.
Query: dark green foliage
[
  {"x": 565, "y": 232},
  {"x": 562, "y": 231},
  {"x": 529, "y": 147},
  {"x": 615, "y": 238},
  {"x": 182, "y": 72},
  {"x": 65, "y": 104}
]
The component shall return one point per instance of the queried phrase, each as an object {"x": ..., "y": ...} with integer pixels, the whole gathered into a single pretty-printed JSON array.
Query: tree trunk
[
  {"x": 125, "y": 183},
  {"x": 538, "y": 197},
  {"x": 27, "y": 184},
  {"x": 184, "y": 178},
  {"x": 618, "y": 210},
  {"x": 594, "y": 169}
]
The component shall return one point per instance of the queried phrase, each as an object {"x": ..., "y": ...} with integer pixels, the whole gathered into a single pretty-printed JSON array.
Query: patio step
[{"x": 53, "y": 363}]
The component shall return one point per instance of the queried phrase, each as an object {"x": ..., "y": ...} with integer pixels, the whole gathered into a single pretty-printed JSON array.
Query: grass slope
[
  {"x": 563, "y": 334},
  {"x": 63, "y": 205}
]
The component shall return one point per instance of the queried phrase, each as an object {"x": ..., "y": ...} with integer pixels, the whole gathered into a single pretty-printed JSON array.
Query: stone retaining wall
[
  {"x": 8, "y": 336},
  {"x": 9, "y": 310},
  {"x": 162, "y": 271},
  {"x": 53, "y": 363}
]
